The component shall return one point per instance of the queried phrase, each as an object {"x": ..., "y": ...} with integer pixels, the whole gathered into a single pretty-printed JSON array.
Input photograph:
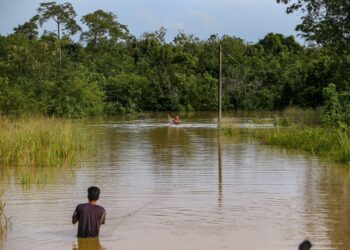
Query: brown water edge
[{"x": 163, "y": 188}]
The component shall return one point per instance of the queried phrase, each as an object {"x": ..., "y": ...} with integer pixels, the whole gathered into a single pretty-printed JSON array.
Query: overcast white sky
[{"x": 247, "y": 19}]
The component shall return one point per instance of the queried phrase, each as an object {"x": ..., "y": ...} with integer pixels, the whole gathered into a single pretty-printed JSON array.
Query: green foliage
[
  {"x": 332, "y": 114},
  {"x": 75, "y": 95},
  {"x": 277, "y": 43},
  {"x": 337, "y": 107},
  {"x": 112, "y": 72},
  {"x": 282, "y": 121},
  {"x": 124, "y": 93},
  {"x": 12, "y": 98},
  {"x": 62, "y": 14},
  {"x": 102, "y": 25},
  {"x": 29, "y": 29},
  {"x": 325, "y": 21}
]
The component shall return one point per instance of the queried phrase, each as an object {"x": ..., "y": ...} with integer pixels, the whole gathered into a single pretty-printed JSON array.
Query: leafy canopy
[
  {"x": 102, "y": 25},
  {"x": 62, "y": 14},
  {"x": 327, "y": 22}
]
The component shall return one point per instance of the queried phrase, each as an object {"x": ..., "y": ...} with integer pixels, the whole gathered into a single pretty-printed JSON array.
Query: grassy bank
[
  {"x": 42, "y": 142},
  {"x": 330, "y": 143}
]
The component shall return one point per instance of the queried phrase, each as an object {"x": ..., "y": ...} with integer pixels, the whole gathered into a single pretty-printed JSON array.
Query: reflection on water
[
  {"x": 219, "y": 168},
  {"x": 88, "y": 244},
  {"x": 189, "y": 187}
]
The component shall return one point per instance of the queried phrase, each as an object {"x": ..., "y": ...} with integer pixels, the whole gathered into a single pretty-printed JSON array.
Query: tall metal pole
[
  {"x": 220, "y": 86},
  {"x": 59, "y": 40}
]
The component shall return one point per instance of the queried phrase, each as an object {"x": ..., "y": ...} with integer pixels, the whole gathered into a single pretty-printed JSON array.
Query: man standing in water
[{"x": 90, "y": 215}]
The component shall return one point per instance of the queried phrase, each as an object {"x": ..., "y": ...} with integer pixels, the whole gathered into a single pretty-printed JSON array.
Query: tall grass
[
  {"x": 42, "y": 142},
  {"x": 310, "y": 117},
  {"x": 331, "y": 143},
  {"x": 343, "y": 154}
]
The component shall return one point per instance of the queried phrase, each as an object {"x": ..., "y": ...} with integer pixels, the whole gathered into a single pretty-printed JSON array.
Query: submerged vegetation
[
  {"x": 307, "y": 130},
  {"x": 330, "y": 143},
  {"x": 5, "y": 222}
]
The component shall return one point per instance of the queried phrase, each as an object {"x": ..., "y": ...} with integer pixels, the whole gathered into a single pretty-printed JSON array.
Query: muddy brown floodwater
[{"x": 167, "y": 187}]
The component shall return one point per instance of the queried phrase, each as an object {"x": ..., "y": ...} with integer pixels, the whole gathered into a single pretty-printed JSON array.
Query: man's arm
[
  {"x": 75, "y": 217},
  {"x": 103, "y": 218}
]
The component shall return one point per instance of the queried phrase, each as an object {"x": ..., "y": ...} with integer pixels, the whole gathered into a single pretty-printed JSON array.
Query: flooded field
[{"x": 183, "y": 187}]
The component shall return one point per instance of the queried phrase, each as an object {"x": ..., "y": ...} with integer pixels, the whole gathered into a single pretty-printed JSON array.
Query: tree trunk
[
  {"x": 58, "y": 31},
  {"x": 94, "y": 49}
]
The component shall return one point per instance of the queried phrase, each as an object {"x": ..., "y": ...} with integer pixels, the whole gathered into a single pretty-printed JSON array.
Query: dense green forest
[{"x": 110, "y": 71}]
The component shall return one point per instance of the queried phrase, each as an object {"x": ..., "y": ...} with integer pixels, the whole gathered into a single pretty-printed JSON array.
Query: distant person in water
[
  {"x": 175, "y": 120},
  {"x": 89, "y": 215}
]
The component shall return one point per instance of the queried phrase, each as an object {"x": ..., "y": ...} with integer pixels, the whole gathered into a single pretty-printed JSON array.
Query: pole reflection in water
[
  {"x": 219, "y": 169},
  {"x": 88, "y": 244}
]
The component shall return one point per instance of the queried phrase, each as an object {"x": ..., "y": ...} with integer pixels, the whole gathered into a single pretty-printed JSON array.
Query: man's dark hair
[
  {"x": 93, "y": 193},
  {"x": 305, "y": 245}
]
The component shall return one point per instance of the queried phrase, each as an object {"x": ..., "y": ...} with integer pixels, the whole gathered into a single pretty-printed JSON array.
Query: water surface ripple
[{"x": 163, "y": 188}]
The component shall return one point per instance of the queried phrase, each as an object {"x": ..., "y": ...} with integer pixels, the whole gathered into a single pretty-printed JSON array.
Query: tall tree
[
  {"x": 63, "y": 15},
  {"x": 326, "y": 22},
  {"x": 102, "y": 25}
]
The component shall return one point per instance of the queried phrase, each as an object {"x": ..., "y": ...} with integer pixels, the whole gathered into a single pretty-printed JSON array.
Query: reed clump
[
  {"x": 40, "y": 142},
  {"x": 5, "y": 222},
  {"x": 326, "y": 142}
]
